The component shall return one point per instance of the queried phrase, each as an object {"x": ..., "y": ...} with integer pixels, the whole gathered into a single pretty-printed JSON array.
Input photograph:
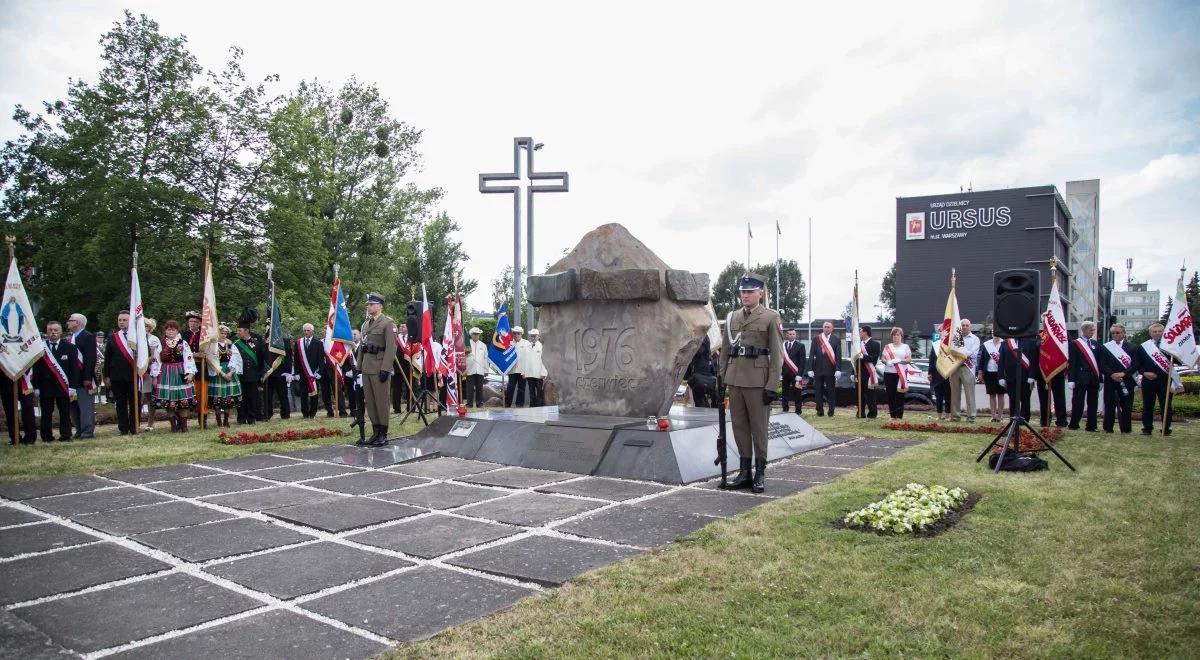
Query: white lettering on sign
[{"x": 997, "y": 216}]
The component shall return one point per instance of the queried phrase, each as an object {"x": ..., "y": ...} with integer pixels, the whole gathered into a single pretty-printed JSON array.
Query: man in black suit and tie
[
  {"x": 254, "y": 355},
  {"x": 56, "y": 385},
  {"x": 118, "y": 369},
  {"x": 1018, "y": 360},
  {"x": 1155, "y": 367},
  {"x": 83, "y": 411},
  {"x": 866, "y": 372},
  {"x": 309, "y": 359},
  {"x": 1119, "y": 366},
  {"x": 278, "y": 382},
  {"x": 824, "y": 361},
  {"x": 1084, "y": 376},
  {"x": 793, "y": 362}
]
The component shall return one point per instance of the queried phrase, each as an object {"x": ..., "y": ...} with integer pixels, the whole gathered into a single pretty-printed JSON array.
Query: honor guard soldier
[
  {"x": 751, "y": 360},
  {"x": 376, "y": 355}
]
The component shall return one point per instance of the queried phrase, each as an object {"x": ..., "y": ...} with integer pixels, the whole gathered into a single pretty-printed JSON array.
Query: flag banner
[
  {"x": 276, "y": 344},
  {"x": 449, "y": 367},
  {"x": 208, "y": 317},
  {"x": 454, "y": 319},
  {"x": 502, "y": 353},
  {"x": 339, "y": 337},
  {"x": 20, "y": 344},
  {"x": 714, "y": 328},
  {"x": 1052, "y": 350},
  {"x": 950, "y": 351},
  {"x": 1179, "y": 337},
  {"x": 137, "y": 330},
  {"x": 429, "y": 362},
  {"x": 856, "y": 345},
  {"x": 307, "y": 369}
]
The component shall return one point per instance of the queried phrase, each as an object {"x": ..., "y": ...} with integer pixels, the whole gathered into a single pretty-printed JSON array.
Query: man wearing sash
[
  {"x": 1018, "y": 360},
  {"x": 823, "y": 367},
  {"x": 751, "y": 360},
  {"x": 1155, "y": 367},
  {"x": 866, "y": 373},
  {"x": 56, "y": 377},
  {"x": 377, "y": 357},
  {"x": 308, "y": 361},
  {"x": 793, "y": 362},
  {"x": 254, "y": 355},
  {"x": 1083, "y": 373},
  {"x": 119, "y": 370},
  {"x": 962, "y": 381},
  {"x": 1119, "y": 369},
  {"x": 83, "y": 412}
]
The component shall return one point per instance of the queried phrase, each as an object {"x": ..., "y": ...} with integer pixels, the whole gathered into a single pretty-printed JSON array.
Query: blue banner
[{"x": 502, "y": 352}]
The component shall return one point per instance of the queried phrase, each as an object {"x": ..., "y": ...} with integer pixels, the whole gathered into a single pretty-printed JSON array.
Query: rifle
[{"x": 722, "y": 450}]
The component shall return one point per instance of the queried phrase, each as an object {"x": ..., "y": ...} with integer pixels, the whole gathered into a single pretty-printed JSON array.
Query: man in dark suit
[
  {"x": 56, "y": 387},
  {"x": 1084, "y": 375},
  {"x": 1119, "y": 365},
  {"x": 793, "y": 363},
  {"x": 1057, "y": 391},
  {"x": 254, "y": 355},
  {"x": 83, "y": 411},
  {"x": 866, "y": 372},
  {"x": 824, "y": 360},
  {"x": 1155, "y": 367},
  {"x": 1018, "y": 361},
  {"x": 278, "y": 381},
  {"x": 310, "y": 356},
  {"x": 701, "y": 376},
  {"x": 118, "y": 369}
]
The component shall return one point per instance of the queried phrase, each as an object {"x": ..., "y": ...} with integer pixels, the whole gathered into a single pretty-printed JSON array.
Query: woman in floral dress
[
  {"x": 173, "y": 387},
  {"x": 224, "y": 388}
]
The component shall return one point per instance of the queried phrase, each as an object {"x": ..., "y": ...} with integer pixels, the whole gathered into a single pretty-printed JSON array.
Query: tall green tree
[
  {"x": 1192, "y": 291},
  {"x": 725, "y": 295},
  {"x": 887, "y": 296},
  {"x": 502, "y": 289},
  {"x": 438, "y": 265}
]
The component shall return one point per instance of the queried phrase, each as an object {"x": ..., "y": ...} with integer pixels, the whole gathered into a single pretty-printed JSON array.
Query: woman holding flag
[
  {"x": 896, "y": 358},
  {"x": 173, "y": 387},
  {"x": 224, "y": 388}
]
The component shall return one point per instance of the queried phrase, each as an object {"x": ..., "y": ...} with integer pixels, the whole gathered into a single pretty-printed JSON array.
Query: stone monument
[{"x": 621, "y": 325}]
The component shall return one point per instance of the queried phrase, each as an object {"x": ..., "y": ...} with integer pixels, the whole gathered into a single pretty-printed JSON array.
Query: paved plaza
[{"x": 328, "y": 552}]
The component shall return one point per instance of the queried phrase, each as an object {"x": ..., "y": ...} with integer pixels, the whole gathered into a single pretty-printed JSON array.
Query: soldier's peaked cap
[
  {"x": 374, "y": 298},
  {"x": 751, "y": 281}
]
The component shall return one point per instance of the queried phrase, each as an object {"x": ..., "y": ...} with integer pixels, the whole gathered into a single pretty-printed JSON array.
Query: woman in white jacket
[{"x": 535, "y": 370}]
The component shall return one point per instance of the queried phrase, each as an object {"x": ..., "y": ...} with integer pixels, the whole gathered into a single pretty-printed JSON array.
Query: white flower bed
[{"x": 912, "y": 508}]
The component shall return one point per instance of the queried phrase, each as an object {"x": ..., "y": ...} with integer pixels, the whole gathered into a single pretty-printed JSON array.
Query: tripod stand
[
  {"x": 1012, "y": 436},
  {"x": 419, "y": 404}
]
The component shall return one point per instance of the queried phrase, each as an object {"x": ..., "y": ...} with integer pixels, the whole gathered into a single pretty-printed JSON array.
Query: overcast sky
[{"x": 685, "y": 120}]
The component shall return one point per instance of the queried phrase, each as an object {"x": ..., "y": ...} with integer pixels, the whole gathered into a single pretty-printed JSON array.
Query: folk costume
[
  {"x": 224, "y": 388},
  {"x": 174, "y": 390}
]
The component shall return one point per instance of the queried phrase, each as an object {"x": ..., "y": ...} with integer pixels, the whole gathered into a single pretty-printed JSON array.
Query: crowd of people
[{"x": 247, "y": 381}]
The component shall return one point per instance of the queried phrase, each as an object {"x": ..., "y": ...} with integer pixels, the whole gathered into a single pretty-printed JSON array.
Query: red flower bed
[
  {"x": 1027, "y": 442},
  {"x": 247, "y": 438}
]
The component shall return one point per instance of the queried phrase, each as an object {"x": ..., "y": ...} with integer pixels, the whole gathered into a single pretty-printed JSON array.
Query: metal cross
[{"x": 529, "y": 178}]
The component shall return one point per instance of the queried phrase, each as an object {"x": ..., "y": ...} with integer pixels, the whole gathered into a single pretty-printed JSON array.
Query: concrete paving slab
[
  {"x": 366, "y": 483},
  {"x": 704, "y": 502},
  {"x": 221, "y": 539},
  {"x": 636, "y": 525},
  {"x": 40, "y": 538},
  {"x": 433, "y": 536},
  {"x": 271, "y": 498},
  {"x": 529, "y": 509},
  {"x": 163, "y": 473},
  {"x": 247, "y": 463},
  {"x": 546, "y": 560},
  {"x": 78, "y": 504},
  {"x": 615, "y": 490},
  {"x": 344, "y": 513},
  {"x": 27, "y": 490},
  {"x": 152, "y": 518},
  {"x": 71, "y": 570},
  {"x": 303, "y": 471},
  {"x": 213, "y": 485},
  {"x": 442, "y": 495},
  {"x": 518, "y": 477},
  {"x": 12, "y": 516},
  {"x": 444, "y": 468},
  {"x": 293, "y": 572}
]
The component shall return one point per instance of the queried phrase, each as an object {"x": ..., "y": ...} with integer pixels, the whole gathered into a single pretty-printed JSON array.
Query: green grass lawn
[
  {"x": 109, "y": 451},
  {"x": 1100, "y": 563}
]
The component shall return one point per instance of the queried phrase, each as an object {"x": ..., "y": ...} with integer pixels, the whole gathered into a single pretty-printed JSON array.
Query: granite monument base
[{"x": 621, "y": 447}]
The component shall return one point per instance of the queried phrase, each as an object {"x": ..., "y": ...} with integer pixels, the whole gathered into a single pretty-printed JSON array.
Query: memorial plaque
[
  {"x": 567, "y": 449},
  {"x": 462, "y": 428}
]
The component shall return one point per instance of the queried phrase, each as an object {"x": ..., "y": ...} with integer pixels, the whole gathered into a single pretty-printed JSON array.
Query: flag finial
[
  {"x": 135, "y": 255},
  {"x": 12, "y": 251},
  {"x": 270, "y": 268},
  {"x": 336, "y": 268}
]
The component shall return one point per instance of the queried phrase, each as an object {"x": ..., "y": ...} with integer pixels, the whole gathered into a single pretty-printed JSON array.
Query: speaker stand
[{"x": 1012, "y": 437}]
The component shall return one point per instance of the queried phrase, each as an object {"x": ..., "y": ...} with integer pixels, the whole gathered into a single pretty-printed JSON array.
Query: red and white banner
[
  {"x": 950, "y": 352},
  {"x": 138, "y": 342},
  {"x": 448, "y": 363},
  {"x": 1179, "y": 337},
  {"x": 1052, "y": 352},
  {"x": 1015, "y": 349},
  {"x": 428, "y": 364},
  {"x": 1085, "y": 349}
]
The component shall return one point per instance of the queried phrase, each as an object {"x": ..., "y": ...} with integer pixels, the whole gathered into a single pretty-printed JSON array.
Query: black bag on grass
[{"x": 1019, "y": 463}]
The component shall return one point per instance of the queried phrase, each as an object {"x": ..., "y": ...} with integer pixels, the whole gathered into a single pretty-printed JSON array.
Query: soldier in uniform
[
  {"x": 751, "y": 362},
  {"x": 376, "y": 356}
]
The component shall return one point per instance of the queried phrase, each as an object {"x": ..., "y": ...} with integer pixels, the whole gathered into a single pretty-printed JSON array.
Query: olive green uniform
[
  {"x": 377, "y": 354},
  {"x": 749, "y": 376}
]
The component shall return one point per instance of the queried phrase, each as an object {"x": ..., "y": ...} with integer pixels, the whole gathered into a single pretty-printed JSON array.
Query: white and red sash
[
  {"x": 1162, "y": 361},
  {"x": 27, "y": 382},
  {"x": 827, "y": 349},
  {"x": 901, "y": 369},
  {"x": 56, "y": 370},
  {"x": 1119, "y": 353},
  {"x": 787, "y": 359},
  {"x": 124, "y": 347},
  {"x": 995, "y": 357},
  {"x": 306, "y": 368},
  {"x": 1085, "y": 349},
  {"x": 1016, "y": 349}
]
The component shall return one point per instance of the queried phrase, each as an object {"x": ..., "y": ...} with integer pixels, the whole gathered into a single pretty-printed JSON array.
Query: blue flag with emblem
[{"x": 502, "y": 352}]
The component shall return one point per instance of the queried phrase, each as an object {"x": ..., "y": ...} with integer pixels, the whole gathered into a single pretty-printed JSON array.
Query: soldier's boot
[
  {"x": 382, "y": 439},
  {"x": 760, "y": 468},
  {"x": 743, "y": 478},
  {"x": 364, "y": 441}
]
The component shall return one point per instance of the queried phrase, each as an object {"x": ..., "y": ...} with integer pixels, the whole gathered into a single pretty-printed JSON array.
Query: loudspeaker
[
  {"x": 412, "y": 313},
  {"x": 1015, "y": 302}
]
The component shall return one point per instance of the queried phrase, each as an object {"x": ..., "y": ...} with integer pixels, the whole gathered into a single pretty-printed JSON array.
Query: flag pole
[
  {"x": 12, "y": 254},
  {"x": 778, "y": 298},
  {"x": 337, "y": 390},
  {"x": 201, "y": 362},
  {"x": 749, "y": 235},
  {"x": 1046, "y": 416},
  {"x": 810, "y": 279},
  {"x": 461, "y": 322},
  {"x": 857, "y": 366},
  {"x": 137, "y": 378}
]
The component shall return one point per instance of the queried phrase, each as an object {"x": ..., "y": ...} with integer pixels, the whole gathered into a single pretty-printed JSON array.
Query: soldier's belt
[
  {"x": 749, "y": 351},
  {"x": 372, "y": 349}
]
